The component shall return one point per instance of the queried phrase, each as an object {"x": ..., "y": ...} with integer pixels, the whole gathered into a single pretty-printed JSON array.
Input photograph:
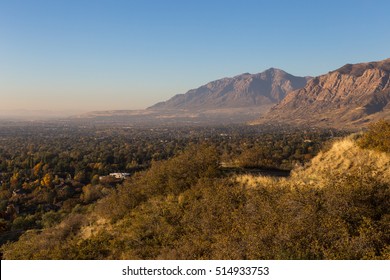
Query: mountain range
[
  {"x": 350, "y": 96},
  {"x": 242, "y": 91}
]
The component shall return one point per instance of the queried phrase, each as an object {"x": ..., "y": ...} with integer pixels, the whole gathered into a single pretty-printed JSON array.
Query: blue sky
[{"x": 82, "y": 55}]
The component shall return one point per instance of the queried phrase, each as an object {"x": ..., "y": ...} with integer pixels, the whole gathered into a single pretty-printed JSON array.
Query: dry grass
[
  {"x": 342, "y": 158},
  {"x": 94, "y": 228},
  {"x": 345, "y": 156},
  {"x": 252, "y": 181}
]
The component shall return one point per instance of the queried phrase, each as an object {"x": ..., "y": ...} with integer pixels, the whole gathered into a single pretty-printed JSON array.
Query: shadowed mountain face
[
  {"x": 247, "y": 90},
  {"x": 349, "y": 96}
]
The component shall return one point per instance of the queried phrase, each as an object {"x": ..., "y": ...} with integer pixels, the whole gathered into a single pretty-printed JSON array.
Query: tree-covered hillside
[{"x": 337, "y": 206}]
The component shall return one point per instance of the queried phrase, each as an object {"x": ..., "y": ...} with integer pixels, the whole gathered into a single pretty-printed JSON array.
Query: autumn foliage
[{"x": 185, "y": 208}]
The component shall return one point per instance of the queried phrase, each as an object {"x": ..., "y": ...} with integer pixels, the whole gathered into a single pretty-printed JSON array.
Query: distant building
[
  {"x": 120, "y": 175},
  {"x": 114, "y": 176}
]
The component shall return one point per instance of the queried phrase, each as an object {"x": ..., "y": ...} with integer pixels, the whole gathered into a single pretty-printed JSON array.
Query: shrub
[
  {"x": 377, "y": 137},
  {"x": 51, "y": 218}
]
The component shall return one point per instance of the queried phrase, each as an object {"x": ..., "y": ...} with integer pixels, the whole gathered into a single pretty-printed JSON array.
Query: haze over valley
[
  {"x": 194, "y": 130},
  {"x": 349, "y": 97}
]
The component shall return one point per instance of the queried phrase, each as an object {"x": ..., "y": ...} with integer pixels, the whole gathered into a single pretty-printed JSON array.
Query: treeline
[
  {"x": 48, "y": 170},
  {"x": 185, "y": 208}
]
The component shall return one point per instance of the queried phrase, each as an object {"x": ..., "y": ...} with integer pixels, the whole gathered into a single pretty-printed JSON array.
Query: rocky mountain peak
[
  {"x": 350, "y": 95},
  {"x": 358, "y": 69},
  {"x": 245, "y": 90}
]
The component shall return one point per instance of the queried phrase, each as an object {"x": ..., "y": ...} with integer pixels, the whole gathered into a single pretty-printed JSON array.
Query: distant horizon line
[{"x": 22, "y": 113}]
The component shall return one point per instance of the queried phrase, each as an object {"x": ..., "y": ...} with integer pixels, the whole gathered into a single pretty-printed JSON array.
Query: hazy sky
[{"x": 128, "y": 54}]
